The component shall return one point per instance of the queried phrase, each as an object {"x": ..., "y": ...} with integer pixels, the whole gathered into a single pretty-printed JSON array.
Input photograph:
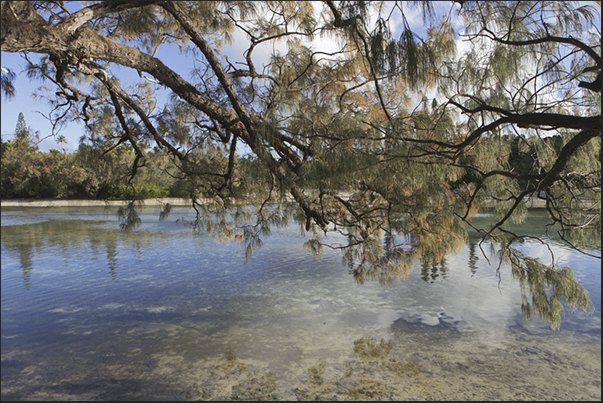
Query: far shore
[
  {"x": 531, "y": 202},
  {"x": 92, "y": 203}
]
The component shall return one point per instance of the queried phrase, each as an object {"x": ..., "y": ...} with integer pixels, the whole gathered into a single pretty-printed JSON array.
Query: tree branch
[
  {"x": 74, "y": 21},
  {"x": 549, "y": 38},
  {"x": 189, "y": 28}
]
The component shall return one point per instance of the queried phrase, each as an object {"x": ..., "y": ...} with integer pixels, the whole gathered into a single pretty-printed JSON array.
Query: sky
[
  {"x": 34, "y": 109},
  {"x": 25, "y": 102}
]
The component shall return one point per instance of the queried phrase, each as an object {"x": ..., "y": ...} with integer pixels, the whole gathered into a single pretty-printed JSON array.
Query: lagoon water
[{"x": 162, "y": 313}]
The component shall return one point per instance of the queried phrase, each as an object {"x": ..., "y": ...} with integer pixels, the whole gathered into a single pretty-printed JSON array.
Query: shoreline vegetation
[{"x": 174, "y": 201}]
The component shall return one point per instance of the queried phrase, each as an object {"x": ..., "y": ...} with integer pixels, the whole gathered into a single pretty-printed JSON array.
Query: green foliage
[
  {"x": 6, "y": 83},
  {"x": 546, "y": 288},
  {"x": 90, "y": 173},
  {"x": 21, "y": 130},
  {"x": 28, "y": 173},
  {"x": 127, "y": 192},
  {"x": 128, "y": 217}
]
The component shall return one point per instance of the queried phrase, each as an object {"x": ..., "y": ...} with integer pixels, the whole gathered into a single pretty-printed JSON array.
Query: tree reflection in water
[
  {"x": 382, "y": 256},
  {"x": 66, "y": 234}
]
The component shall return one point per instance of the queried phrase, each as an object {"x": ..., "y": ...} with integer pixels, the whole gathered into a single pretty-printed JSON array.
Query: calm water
[{"x": 90, "y": 312}]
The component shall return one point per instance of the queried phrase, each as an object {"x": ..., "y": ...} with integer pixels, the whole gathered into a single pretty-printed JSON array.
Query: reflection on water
[
  {"x": 91, "y": 312},
  {"x": 431, "y": 272}
]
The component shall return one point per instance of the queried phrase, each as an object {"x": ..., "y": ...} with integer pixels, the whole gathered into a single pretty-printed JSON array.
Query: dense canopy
[{"x": 357, "y": 122}]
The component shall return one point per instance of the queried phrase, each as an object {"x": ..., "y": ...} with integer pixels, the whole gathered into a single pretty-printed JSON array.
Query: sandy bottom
[
  {"x": 402, "y": 369},
  {"x": 416, "y": 362}
]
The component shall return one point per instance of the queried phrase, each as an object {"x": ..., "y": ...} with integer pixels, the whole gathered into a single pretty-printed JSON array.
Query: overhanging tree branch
[
  {"x": 546, "y": 39},
  {"x": 76, "y": 20}
]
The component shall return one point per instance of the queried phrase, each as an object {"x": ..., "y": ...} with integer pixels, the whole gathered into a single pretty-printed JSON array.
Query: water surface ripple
[{"x": 90, "y": 312}]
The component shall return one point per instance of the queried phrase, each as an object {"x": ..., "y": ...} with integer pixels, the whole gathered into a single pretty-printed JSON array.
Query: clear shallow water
[{"x": 89, "y": 312}]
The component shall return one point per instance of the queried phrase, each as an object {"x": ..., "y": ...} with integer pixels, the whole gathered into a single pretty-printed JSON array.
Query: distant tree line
[{"x": 91, "y": 172}]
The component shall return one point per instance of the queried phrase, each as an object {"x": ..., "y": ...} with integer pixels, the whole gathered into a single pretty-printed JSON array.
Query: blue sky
[{"x": 25, "y": 102}]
